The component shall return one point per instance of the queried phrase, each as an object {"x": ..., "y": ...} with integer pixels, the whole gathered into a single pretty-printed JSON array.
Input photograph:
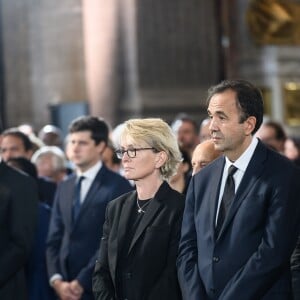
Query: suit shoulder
[
  {"x": 173, "y": 197},
  {"x": 121, "y": 199},
  {"x": 115, "y": 175},
  {"x": 17, "y": 177},
  {"x": 117, "y": 179},
  {"x": 177, "y": 195},
  {"x": 279, "y": 161}
]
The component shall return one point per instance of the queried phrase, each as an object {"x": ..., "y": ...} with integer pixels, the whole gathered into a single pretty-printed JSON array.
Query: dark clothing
[
  {"x": 295, "y": 265},
  {"x": 36, "y": 271},
  {"x": 124, "y": 264},
  {"x": 18, "y": 210},
  {"x": 72, "y": 246},
  {"x": 249, "y": 260},
  {"x": 47, "y": 190},
  {"x": 138, "y": 252}
]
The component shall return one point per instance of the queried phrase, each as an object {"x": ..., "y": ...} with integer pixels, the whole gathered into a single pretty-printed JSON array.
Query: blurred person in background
[
  {"x": 292, "y": 149},
  {"x": 15, "y": 143},
  {"x": 273, "y": 135},
  {"x": 180, "y": 181},
  {"x": 204, "y": 154},
  {"x": 51, "y": 163},
  {"x": 204, "y": 132},
  {"x": 51, "y": 135},
  {"x": 111, "y": 159},
  {"x": 28, "y": 129},
  {"x": 186, "y": 131}
]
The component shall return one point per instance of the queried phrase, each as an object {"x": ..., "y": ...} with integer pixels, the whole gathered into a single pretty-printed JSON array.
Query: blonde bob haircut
[{"x": 155, "y": 133}]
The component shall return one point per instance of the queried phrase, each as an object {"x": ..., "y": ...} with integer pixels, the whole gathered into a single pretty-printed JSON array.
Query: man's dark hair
[
  {"x": 20, "y": 135},
  {"x": 280, "y": 134},
  {"x": 248, "y": 99},
  {"x": 183, "y": 117},
  {"x": 97, "y": 126}
]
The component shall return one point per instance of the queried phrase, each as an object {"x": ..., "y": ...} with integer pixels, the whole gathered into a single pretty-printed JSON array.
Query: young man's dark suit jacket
[
  {"x": 72, "y": 248},
  {"x": 250, "y": 258},
  {"x": 152, "y": 251},
  {"x": 18, "y": 211}
]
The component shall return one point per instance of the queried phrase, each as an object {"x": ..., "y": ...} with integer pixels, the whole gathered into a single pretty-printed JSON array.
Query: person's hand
[
  {"x": 76, "y": 288},
  {"x": 64, "y": 290}
]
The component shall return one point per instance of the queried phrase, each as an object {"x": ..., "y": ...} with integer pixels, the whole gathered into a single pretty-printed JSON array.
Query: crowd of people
[{"x": 152, "y": 210}]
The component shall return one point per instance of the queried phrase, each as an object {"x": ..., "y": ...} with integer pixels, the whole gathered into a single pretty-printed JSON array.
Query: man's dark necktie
[
  {"x": 228, "y": 195},
  {"x": 77, "y": 202}
]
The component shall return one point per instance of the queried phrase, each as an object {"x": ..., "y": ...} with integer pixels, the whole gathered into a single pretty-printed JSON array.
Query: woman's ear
[{"x": 161, "y": 158}]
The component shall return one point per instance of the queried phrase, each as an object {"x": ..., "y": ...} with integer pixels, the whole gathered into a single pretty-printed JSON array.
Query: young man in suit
[
  {"x": 18, "y": 210},
  {"x": 238, "y": 233},
  {"x": 78, "y": 215}
]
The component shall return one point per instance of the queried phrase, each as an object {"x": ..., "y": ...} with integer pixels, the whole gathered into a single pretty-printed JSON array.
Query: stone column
[
  {"x": 100, "y": 26},
  {"x": 43, "y": 58}
]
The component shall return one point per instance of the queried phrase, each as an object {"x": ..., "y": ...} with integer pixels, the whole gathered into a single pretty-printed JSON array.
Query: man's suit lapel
[
  {"x": 92, "y": 191},
  {"x": 252, "y": 174},
  {"x": 70, "y": 190},
  {"x": 214, "y": 185}
]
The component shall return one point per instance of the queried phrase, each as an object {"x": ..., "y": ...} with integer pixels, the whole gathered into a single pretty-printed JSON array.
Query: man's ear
[
  {"x": 29, "y": 154},
  {"x": 101, "y": 147},
  {"x": 249, "y": 125}
]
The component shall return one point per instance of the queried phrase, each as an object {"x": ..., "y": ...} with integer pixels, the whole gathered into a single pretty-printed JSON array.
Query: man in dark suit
[
  {"x": 240, "y": 250},
  {"x": 16, "y": 144},
  {"x": 76, "y": 227},
  {"x": 18, "y": 209}
]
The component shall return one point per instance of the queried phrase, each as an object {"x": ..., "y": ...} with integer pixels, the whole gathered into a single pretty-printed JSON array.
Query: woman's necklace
[{"x": 141, "y": 209}]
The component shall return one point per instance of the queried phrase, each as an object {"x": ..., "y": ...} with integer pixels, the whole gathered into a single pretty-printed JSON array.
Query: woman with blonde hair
[{"x": 137, "y": 258}]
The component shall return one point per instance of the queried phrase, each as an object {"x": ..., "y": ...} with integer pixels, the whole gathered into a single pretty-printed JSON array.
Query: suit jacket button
[
  {"x": 128, "y": 275},
  {"x": 216, "y": 259},
  {"x": 212, "y": 290}
]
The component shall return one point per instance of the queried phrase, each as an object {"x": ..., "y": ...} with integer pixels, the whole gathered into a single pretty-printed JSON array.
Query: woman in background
[{"x": 292, "y": 149}]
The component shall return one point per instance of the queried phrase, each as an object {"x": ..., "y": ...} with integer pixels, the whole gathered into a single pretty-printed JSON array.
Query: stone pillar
[
  {"x": 43, "y": 58},
  {"x": 100, "y": 20}
]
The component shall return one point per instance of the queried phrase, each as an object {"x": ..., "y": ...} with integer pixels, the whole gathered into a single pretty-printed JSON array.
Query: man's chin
[{"x": 219, "y": 146}]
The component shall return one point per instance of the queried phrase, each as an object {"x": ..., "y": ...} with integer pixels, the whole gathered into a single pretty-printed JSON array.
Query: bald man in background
[{"x": 203, "y": 154}]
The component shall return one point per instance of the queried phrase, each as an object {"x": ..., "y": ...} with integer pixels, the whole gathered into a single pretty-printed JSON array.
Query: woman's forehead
[{"x": 130, "y": 141}]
